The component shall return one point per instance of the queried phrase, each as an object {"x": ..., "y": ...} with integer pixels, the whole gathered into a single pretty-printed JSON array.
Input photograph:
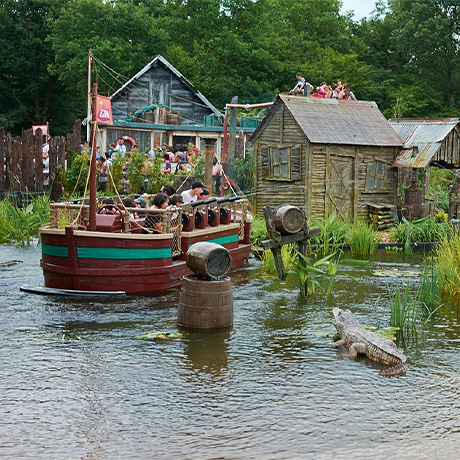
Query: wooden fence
[{"x": 22, "y": 161}]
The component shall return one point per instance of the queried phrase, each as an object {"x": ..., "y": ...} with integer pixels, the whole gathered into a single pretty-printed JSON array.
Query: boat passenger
[
  {"x": 168, "y": 190},
  {"x": 205, "y": 194},
  {"x": 153, "y": 221},
  {"x": 192, "y": 195}
]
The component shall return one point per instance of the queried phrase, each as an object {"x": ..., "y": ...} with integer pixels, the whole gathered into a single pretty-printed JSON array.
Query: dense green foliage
[
  {"x": 420, "y": 231},
  {"x": 405, "y": 57},
  {"x": 20, "y": 225}
]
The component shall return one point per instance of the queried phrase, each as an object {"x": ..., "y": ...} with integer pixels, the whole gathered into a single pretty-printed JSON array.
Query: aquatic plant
[
  {"x": 429, "y": 287},
  {"x": 419, "y": 231},
  {"x": 363, "y": 239},
  {"x": 404, "y": 307},
  {"x": 20, "y": 225},
  {"x": 288, "y": 255},
  {"x": 258, "y": 231},
  {"x": 447, "y": 257},
  {"x": 316, "y": 275},
  {"x": 333, "y": 235}
]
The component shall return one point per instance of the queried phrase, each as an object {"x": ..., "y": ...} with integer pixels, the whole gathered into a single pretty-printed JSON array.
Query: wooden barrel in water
[
  {"x": 289, "y": 219},
  {"x": 208, "y": 260},
  {"x": 205, "y": 304}
]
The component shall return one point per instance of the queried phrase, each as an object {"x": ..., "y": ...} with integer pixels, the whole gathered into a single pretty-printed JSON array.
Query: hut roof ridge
[{"x": 333, "y": 121}]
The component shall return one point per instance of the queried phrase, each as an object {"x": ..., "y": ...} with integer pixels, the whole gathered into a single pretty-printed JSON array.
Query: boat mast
[
  {"x": 88, "y": 114},
  {"x": 92, "y": 171}
]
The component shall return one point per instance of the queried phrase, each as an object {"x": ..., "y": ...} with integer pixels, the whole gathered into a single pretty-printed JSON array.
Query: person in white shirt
[
  {"x": 192, "y": 195},
  {"x": 121, "y": 147}
]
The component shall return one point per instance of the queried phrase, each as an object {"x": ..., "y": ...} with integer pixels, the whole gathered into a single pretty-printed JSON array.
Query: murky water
[{"x": 77, "y": 384}]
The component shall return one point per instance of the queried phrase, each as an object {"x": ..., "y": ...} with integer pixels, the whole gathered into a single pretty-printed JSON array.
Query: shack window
[
  {"x": 376, "y": 176},
  {"x": 280, "y": 163}
]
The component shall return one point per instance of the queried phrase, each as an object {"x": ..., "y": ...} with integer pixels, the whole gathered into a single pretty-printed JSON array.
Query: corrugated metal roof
[
  {"x": 176, "y": 72},
  {"x": 422, "y": 139},
  {"x": 333, "y": 121}
]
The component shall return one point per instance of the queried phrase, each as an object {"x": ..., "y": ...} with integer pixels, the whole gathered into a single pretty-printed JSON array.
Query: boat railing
[{"x": 192, "y": 216}]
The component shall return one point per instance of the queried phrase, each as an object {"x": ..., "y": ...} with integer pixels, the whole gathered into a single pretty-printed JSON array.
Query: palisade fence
[{"x": 23, "y": 162}]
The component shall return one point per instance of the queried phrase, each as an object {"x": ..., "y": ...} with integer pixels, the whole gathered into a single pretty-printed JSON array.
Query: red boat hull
[{"x": 134, "y": 263}]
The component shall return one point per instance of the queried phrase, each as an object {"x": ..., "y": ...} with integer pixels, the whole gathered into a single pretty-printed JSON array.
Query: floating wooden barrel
[
  {"x": 208, "y": 260},
  {"x": 205, "y": 304},
  {"x": 289, "y": 219}
]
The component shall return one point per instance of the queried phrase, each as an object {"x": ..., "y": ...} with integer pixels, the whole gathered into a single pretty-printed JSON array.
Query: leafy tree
[{"x": 28, "y": 92}]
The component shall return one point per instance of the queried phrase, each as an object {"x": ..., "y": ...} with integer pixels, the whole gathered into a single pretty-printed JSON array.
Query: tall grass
[
  {"x": 258, "y": 231},
  {"x": 404, "y": 307},
  {"x": 20, "y": 225},
  {"x": 447, "y": 256},
  {"x": 288, "y": 254},
  {"x": 363, "y": 239},
  {"x": 428, "y": 290}
]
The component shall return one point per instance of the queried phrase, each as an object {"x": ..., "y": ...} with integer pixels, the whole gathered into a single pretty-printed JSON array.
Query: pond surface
[{"x": 77, "y": 384}]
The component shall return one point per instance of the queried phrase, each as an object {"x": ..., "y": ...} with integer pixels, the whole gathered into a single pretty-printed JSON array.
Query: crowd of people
[
  {"x": 337, "y": 90},
  {"x": 167, "y": 198}
]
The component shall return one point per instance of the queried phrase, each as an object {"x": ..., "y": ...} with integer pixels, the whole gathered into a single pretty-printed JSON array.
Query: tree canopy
[{"x": 405, "y": 57}]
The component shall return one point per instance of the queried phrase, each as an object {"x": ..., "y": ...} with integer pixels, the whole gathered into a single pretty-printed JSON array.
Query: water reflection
[
  {"x": 207, "y": 351},
  {"x": 76, "y": 383}
]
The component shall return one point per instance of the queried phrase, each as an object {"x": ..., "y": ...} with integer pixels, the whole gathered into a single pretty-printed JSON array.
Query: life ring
[
  {"x": 130, "y": 140},
  {"x": 225, "y": 184}
]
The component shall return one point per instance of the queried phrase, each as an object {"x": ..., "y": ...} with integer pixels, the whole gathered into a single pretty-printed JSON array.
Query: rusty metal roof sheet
[
  {"x": 422, "y": 139},
  {"x": 333, "y": 121}
]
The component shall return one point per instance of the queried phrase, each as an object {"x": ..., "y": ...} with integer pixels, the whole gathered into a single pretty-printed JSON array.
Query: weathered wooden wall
[
  {"x": 330, "y": 178},
  {"x": 159, "y": 85},
  {"x": 281, "y": 130},
  {"x": 22, "y": 165}
]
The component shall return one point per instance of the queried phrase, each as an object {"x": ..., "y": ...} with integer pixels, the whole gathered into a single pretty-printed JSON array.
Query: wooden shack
[
  {"x": 328, "y": 155},
  {"x": 428, "y": 142},
  {"x": 159, "y": 105}
]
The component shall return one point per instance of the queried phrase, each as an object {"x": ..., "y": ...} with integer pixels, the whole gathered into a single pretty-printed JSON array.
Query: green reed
[
  {"x": 20, "y": 225},
  {"x": 363, "y": 239},
  {"x": 404, "y": 307}
]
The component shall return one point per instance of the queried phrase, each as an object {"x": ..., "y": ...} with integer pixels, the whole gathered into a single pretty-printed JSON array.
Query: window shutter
[
  {"x": 296, "y": 163},
  {"x": 265, "y": 160}
]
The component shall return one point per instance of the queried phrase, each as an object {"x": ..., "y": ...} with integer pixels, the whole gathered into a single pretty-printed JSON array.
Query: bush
[
  {"x": 420, "y": 231},
  {"x": 243, "y": 171}
]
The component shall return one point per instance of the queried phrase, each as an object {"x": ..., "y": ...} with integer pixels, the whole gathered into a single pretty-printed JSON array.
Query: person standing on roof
[{"x": 300, "y": 86}]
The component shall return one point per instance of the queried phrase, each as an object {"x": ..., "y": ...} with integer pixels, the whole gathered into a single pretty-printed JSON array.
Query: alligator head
[{"x": 344, "y": 319}]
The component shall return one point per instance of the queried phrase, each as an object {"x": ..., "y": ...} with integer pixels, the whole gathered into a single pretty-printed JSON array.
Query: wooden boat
[
  {"x": 85, "y": 249},
  {"x": 122, "y": 254}
]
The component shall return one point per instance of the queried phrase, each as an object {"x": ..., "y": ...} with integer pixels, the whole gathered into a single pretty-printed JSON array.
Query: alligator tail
[{"x": 399, "y": 369}]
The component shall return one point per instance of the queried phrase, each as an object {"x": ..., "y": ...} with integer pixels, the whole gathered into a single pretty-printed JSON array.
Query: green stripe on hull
[
  {"x": 123, "y": 253},
  {"x": 222, "y": 240},
  {"x": 56, "y": 251},
  {"x": 109, "y": 253}
]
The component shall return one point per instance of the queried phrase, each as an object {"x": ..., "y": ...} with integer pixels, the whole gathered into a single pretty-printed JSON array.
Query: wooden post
[
  {"x": 2, "y": 163},
  {"x": 92, "y": 190},
  {"x": 208, "y": 158},
  {"x": 233, "y": 122}
]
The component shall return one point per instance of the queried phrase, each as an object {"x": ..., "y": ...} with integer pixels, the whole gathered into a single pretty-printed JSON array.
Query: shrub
[{"x": 333, "y": 234}]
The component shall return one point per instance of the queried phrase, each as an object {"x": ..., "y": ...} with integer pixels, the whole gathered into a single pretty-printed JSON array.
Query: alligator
[{"x": 362, "y": 341}]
